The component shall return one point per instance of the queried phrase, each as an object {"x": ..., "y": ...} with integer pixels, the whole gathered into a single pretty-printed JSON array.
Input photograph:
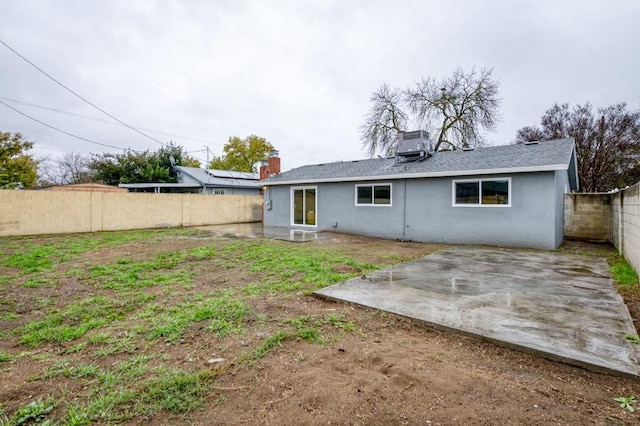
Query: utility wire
[
  {"x": 284, "y": 155},
  {"x": 105, "y": 121},
  {"x": 60, "y": 130},
  {"x": 77, "y": 95}
]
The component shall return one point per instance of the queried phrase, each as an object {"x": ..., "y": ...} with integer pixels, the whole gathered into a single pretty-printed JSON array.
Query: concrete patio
[{"x": 564, "y": 307}]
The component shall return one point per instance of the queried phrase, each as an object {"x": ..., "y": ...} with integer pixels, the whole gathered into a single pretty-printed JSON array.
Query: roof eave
[{"x": 530, "y": 169}]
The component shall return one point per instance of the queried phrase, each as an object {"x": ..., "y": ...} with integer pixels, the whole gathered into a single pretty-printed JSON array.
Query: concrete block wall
[
  {"x": 626, "y": 224},
  {"x": 58, "y": 212},
  {"x": 587, "y": 217}
]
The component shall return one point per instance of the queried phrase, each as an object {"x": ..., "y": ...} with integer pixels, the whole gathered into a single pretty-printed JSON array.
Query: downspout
[
  {"x": 621, "y": 224},
  {"x": 404, "y": 211}
]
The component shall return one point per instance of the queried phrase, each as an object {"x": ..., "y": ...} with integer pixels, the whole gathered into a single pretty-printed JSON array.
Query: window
[
  {"x": 304, "y": 206},
  {"x": 482, "y": 192},
  {"x": 218, "y": 191},
  {"x": 368, "y": 195}
]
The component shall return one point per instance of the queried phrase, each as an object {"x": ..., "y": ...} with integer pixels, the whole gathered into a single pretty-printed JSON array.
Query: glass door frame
[{"x": 304, "y": 206}]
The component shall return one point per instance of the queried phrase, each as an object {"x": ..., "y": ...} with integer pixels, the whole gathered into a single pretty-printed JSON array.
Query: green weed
[
  {"x": 5, "y": 357},
  {"x": 633, "y": 338},
  {"x": 298, "y": 322},
  {"x": 627, "y": 402},
  {"x": 268, "y": 345},
  {"x": 338, "y": 321},
  {"x": 34, "y": 412},
  {"x": 76, "y": 416},
  {"x": 310, "y": 334},
  {"x": 303, "y": 331}
]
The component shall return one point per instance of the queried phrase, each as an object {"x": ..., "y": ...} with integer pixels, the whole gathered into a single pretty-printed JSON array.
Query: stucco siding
[
  {"x": 563, "y": 186},
  {"x": 276, "y": 206},
  {"x": 528, "y": 222},
  {"x": 337, "y": 210},
  {"x": 422, "y": 210}
]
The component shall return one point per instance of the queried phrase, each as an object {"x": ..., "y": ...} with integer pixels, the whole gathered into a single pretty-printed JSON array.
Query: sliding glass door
[{"x": 304, "y": 206}]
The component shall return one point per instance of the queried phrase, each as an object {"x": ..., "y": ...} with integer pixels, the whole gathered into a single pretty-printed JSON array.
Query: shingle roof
[
  {"x": 548, "y": 155},
  {"x": 229, "y": 178}
]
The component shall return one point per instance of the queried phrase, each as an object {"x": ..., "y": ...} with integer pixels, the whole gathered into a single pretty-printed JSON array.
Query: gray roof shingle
[{"x": 548, "y": 155}]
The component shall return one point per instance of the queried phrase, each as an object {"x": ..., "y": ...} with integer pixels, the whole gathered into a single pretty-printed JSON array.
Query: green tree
[
  {"x": 455, "y": 109},
  {"x": 138, "y": 167},
  {"x": 607, "y": 142},
  {"x": 242, "y": 154},
  {"x": 17, "y": 169},
  {"x": 189, "y": 161}
]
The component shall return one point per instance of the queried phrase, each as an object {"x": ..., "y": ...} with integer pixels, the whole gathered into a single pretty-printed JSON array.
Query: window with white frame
[
  {"x": 374, "y": 194},
  {"x": 482, "y": 192}
]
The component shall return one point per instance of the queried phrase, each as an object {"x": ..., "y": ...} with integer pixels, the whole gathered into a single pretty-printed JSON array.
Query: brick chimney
[{"x": 271, "y": 166}]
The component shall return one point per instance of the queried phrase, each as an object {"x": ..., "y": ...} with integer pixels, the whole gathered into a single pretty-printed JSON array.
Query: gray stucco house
[
  {"x": 510, "y": 195},
  {"x": 204, "y": 181}
]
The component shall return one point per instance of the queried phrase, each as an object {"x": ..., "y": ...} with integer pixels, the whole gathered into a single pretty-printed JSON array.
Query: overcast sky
[{"x": 299, "y": 73}]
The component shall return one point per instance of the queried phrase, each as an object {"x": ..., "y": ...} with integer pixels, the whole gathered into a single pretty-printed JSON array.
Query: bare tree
[
  {"x": 457, "y": 109},
  {"x": 607, "y": 142},
  {"x": 71, "y": 168},
  {"x": 385, "y": 119}
]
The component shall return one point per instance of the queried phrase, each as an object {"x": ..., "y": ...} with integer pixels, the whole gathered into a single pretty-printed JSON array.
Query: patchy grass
[
  {"x": 625, "y": 276},
  {"x": 5, "y": 357},
  {"x": 306, "y": 267},
  {"x": 76, "y": 319},
  {"x": 223, "y": 313},
  {"x": 111, "y": 336},
  {"x": 176, "y": 391},
  {"x": 34, "y": 259}
]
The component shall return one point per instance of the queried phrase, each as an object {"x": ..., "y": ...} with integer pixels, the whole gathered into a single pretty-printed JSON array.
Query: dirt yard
[{"x": 127, "y": 328}]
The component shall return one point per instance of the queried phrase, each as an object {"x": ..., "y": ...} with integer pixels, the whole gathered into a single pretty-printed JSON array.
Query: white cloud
[{"x": 298, "y": 73}]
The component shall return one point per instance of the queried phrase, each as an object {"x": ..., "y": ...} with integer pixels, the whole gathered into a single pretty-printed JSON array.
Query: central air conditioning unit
[{"x": 413, "y": 146}]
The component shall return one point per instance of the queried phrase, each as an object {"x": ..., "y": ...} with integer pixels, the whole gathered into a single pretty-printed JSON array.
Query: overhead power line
[
  {"x": 74, "y": 114},
  {"x": 78, "y": 96},
  {"x": 60, "y": 130}
]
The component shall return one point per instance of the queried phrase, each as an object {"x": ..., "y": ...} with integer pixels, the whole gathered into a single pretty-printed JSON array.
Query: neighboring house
[
  {"x": 509, "y": 195},
  {"x": 204, "y": 181}
]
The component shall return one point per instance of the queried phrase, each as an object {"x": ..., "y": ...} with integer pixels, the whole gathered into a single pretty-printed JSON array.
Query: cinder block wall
[
  {"x": 587, "y": 217},
  {"x": 55, "y": 212},
  {"x": 625, "y": 207}
]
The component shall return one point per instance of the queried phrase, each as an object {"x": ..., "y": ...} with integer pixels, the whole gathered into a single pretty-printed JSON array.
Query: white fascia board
[
  {"x": 159, "y": 185},
  {"x": 455, "y": 173}
]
